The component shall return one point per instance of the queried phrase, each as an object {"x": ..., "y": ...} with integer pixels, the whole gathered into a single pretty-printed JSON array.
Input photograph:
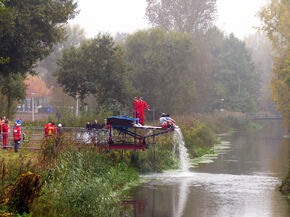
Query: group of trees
[
  {"x": 234, "y": 77},
  {"x": 182, "y": 65},
  {"x": 162, "y": 68},
  {"x": 96, "y": 67},
  {"x": 28, "y": 31},
  {"x": 276, "y": 24}
]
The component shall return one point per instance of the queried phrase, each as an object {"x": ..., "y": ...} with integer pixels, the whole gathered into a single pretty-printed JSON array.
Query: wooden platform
[{"x": 148, "y": 127}]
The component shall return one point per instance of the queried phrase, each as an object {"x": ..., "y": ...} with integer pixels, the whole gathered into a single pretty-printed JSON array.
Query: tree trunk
[
  {"x": 9, "y": 102},
  {"x": 239, "y": 83}
]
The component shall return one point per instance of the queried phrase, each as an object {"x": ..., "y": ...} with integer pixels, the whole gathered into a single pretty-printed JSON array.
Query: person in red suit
[
  {"x": 46, "y": 128},
  {"x": 17, "y": 137},
  {"x": 5, "y": 129},
  {"x": 135, "y": 108},
  {"x": 50, "y": 130},
  {"x": 141, "y": 106}
]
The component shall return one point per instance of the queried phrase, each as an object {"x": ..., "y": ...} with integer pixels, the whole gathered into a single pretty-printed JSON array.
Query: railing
[
  {"x": 34, "y": 136},
  {"x": 262, "y": 116}
]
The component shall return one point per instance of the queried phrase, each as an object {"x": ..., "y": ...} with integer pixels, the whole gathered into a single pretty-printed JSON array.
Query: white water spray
[{"x": 183, "y": 155}]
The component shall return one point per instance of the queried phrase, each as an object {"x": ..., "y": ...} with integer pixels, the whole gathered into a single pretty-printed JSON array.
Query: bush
[
  {"x": 23, "y": 192},
  {"x": 83, "y": 183},
  {"x": 199, "y": 138},
  {"x": 11, "y": 168},
  {"x": 157, "y": 158},
  {"x": 16, "y": 194}
]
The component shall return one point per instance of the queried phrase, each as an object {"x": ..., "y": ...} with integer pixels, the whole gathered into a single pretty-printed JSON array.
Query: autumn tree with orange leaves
[{"x": 36, "y": 85}]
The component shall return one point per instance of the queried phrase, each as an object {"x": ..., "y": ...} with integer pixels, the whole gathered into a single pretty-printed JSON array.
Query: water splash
[{"x": 183, "y": 155}]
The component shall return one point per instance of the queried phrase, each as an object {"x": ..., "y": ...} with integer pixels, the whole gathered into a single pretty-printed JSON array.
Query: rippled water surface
[{"x": 240, "y": 182}]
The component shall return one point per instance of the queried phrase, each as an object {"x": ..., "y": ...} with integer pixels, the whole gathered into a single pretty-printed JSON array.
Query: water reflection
[
  {"x": 204, "y": 194},
  {"x": 241, "y": 182}
]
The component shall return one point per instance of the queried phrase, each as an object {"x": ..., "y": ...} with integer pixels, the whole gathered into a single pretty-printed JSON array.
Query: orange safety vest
[{"x": 50, "y": 130}]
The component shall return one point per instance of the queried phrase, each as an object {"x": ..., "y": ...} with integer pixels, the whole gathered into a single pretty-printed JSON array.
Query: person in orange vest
[
  {"x": 5, "y": 130},
  {"x": 50, "y": 130},
  {"x": 141, "y": 106},
  {"x": 17, "y": 137}
]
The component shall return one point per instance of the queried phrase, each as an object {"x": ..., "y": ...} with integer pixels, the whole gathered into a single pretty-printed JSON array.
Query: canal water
[{"x": 241, "y": 182}]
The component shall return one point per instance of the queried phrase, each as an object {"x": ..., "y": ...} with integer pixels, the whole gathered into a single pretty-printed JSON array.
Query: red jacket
[
  {"x": 50, "y": 130},
  {"x": 141, "y": 106},
  {"x": 17, "y": 133},
  {"x": 135, "y": 108},
  {"x": 5, "y": 129}
]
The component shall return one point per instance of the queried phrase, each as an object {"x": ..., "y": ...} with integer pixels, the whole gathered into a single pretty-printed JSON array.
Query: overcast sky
[{"x": 112, "y": 16}]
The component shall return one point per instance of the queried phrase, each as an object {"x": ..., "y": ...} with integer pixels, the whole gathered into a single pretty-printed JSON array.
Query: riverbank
[
  {"x": 72, "y": 180},
  {"x": 77, "y": 179},
  {"x": 285, "y": 185}
]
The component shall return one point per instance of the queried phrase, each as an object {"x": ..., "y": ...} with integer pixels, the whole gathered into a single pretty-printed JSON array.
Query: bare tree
[{"x": 191, "y": 16}]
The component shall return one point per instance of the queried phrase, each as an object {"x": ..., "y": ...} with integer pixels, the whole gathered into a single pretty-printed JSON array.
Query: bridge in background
[{"x": 263, "y": 116}]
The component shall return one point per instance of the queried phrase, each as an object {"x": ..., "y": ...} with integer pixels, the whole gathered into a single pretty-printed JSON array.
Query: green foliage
[
  {"x": 198, "y": 138},
  {"x": 68, "y": 118},
  {"x": 162, "y": 71},
  {"x": 275, "y": 23},
  {"x": 96, "y": 67},
  {"x": 13, "y": 88},
  {"x": 157, "y": 158},
  {"x": 255, "y": 126},
  {"x": 285, "y": 185},
  {"x": 28, "y": 30},
  {"x": 83, "y": 183},
  {"x": 236, "y": 122},
  {"x": 12, "y": 165},
  {"x": 4, "y": 60},
  {"x": 200, "y": 151},
  {"x": 40, "y": 17},
  {"x": 234, "y": 79},
  {"x": 23, "y": 192}
]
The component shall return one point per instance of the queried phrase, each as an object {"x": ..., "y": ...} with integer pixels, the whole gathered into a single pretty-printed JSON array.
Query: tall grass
[
  {"x": 157, "y": 158},
  {"x": 17, "y": 193},
  {"x": 198, "y": 137},
  {"x": 83, "y": 183}
]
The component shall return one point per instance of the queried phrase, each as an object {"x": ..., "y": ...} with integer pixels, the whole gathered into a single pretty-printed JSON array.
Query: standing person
[
  {"x": 135, "y": 108},
  {"x": 46, "y": 128},
  {"x": 2, "y": 123},
  {"x": 50, "y": 130},
  {"x": 53, "y": 129},
  {"x": 142, "y": 105},
  {"x": 59, "y": 130},
  {"x": 18, "y": 121},
  {"x": 59, "y": 136},
  {"x": 16, "y": 137},
  {"x": 5, "y": 130}
]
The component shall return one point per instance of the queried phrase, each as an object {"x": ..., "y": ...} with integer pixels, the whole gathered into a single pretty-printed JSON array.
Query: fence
[{"x": 34, "y": 136}]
